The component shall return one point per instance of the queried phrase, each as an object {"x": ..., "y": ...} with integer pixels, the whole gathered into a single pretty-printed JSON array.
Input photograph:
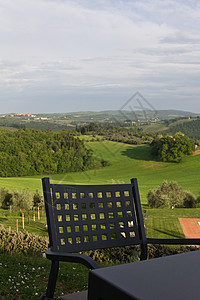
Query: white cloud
[{"x": 108, "y": 47}]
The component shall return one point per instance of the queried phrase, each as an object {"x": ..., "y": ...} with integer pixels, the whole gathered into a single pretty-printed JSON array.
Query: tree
[
  {"x": 170, "y": 195},
  {"x": 37, "y": 199},
  {"x": 31, "y": 152},
  {"x": 5, "y": 198},
  {"x": 172, "y": 148},
  {"x": 22, "y": 200}
]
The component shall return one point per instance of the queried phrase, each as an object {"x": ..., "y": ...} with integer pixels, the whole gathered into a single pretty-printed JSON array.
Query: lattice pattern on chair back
[{"x": 89, "y": 217}]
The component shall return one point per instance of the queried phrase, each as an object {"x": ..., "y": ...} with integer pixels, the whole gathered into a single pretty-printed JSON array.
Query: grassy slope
[{"x": 127, "y": 161}]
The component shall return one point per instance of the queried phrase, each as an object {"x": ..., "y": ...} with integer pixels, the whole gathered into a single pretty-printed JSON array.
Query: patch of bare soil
[{"x": 191, "y": 227}]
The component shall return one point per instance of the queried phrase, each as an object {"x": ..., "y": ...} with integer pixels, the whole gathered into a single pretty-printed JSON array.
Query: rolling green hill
[
  {"x": 127, "y": 161},
  {"x": 60, "y": 121},
  {"x": 190, "y": 126}
]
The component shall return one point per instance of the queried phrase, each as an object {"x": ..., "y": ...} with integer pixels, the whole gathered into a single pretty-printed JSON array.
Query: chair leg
[
  {"x": 143, "y": 255},
  {"x": 52, "y": 278}
]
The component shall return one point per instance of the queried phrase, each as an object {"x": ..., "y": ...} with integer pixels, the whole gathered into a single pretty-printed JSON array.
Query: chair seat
[{"x": 75, "y": 296}]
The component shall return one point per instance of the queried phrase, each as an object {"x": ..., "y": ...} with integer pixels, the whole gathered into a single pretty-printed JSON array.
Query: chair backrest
[{"x": 88, "y": 217}]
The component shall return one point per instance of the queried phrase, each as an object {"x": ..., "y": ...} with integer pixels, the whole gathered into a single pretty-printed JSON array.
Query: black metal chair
[{"x": 88, "y": 217}]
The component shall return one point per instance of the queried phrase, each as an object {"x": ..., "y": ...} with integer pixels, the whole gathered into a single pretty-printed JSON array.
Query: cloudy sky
[{"x": 64, "y": 56}]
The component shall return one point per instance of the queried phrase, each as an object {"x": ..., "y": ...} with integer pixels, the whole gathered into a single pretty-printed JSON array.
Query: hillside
[
  {"x": 190, "y": 127},
  {"x": 127, "y": 161},
  {"x": 60, "y": 121},
  {"x": 30, "y": 152}
]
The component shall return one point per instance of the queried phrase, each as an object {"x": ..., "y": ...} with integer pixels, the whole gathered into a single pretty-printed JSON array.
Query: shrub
[
  {"x": 26, "y": 243},
  {"x": 132, "y": 253},
  {"x": 157, "y": 199},
  {"x": 21, "y": 242},
  {"x": 170, "y": 195},
  {"x": 115, "y": 255},
  {"x": 3, "y": 192},
  {"x": 155, "y": 251},
  {"x": 105, "y": 163},
  {"x": 198, "y": 198},
  {"x": 6, "y": 198},
  {"x": 189, "y": 200}
]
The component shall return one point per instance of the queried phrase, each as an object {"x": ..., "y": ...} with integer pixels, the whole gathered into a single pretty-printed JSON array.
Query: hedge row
[
  {"x": 21, "y": 242},
  {"x": 26, "y": 243},
  {"x": 132, "y": 253}
]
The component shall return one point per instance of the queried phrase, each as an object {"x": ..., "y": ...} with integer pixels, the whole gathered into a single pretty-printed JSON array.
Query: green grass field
[
  {"x": 159, "y": 223},
  {"x": 164, "y": 223},
  {"x": 127, "y": 161},
  {"x": 37, "y": 226},
  {"x": 23, "y": 277}
]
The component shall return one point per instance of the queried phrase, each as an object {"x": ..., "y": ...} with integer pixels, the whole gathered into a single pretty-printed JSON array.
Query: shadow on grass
[
  {"x": 38, "y": 229},
  {"x": 171, "y": 233},
  {"x": 145, "y": 206},
  {"x": 139, "y": 153}
]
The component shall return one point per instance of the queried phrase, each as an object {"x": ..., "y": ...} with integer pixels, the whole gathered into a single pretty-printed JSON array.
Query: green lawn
[
  {"x": 159, "y": 223},
  {"x": 38, "y": 227},
  {"x": 164, "y": 223},
  {"x": 129, "y": 161},
  {"x": 25, "y": 277}
]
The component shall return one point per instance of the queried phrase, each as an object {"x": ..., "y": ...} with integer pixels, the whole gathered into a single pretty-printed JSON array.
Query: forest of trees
[{"x": 31, "y": 151}]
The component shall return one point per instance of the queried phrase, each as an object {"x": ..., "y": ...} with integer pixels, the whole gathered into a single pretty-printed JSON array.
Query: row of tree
[
  {"x": 31, "y": 151},
  {"x": 167, "y": 195},
  {"x": 131, "y": 135},
  {"x": 23, "y": 200}
]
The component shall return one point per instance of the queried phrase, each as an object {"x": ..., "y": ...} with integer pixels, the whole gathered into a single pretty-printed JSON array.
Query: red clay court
[{"x": 191, "y": 227}]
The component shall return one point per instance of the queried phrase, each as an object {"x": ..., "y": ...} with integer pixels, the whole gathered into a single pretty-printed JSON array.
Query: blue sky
[{"x": 64, "y": 56}]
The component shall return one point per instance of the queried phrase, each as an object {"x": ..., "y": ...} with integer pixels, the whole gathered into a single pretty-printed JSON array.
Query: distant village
[{"x": 28, "y": 116}]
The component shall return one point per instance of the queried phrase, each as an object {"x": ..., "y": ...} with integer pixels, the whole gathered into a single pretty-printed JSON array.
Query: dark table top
[{"x": 175, "y": 277}]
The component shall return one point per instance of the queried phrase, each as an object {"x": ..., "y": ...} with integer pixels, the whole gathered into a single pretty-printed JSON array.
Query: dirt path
[{"x": 197, "y": 152}]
